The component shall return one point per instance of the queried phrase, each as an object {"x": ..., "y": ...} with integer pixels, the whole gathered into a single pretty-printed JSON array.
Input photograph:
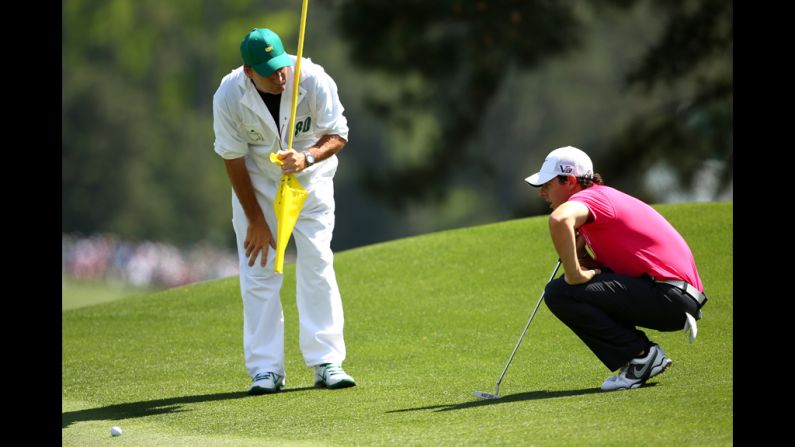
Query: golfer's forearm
[
  {"x": 562, "y": 232},
  {"x": 241, "y": 183},
  {"x": 327, "y": 146}
]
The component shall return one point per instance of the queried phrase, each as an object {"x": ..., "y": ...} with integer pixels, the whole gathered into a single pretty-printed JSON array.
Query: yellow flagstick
[
  {"x": 297, "y": 78},
  {"x": 291, "y": 194}
]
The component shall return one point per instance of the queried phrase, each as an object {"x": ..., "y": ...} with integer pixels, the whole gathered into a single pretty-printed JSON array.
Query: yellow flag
[
  {"x": 289, "y": 200},
  {"x": 291, "y": 195}
]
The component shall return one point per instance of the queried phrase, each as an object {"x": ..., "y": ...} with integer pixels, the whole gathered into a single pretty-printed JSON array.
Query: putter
[{"x": 496, "y": 395}]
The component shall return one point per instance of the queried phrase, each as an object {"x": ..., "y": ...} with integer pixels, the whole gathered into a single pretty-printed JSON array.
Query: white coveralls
[{"x": 244, "y": 127}]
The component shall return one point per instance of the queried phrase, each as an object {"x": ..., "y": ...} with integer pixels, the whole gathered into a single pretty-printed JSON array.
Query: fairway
[
  {"x": 75, "y": 294},
  {"x": 428, "y": 321}
]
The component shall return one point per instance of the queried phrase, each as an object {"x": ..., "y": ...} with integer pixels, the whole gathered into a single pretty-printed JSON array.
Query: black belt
[{"x": 692, "y": 292}]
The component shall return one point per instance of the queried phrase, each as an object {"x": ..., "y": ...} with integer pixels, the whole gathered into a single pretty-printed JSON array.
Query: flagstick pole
[
  {"x": 284, "y": 198},
  {"x": 297, "y": 77}
]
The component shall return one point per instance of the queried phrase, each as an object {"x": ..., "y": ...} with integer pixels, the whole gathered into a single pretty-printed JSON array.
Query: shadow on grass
[
  {"x": 131, "y": 410},
  {"x": 518, "y": 397}
]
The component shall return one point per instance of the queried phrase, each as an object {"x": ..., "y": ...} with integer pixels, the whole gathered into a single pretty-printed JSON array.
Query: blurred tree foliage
[
  {"x": 691, "y": 67},
  {"x": 450, "y": 102},
  {"x": 446, "y": 61},
  {"x": 138, "y": 78}
]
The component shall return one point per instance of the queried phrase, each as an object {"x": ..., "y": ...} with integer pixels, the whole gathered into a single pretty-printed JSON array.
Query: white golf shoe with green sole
[
  {"x": 266, "y": 383},
  {"x": 329, "y": 375}
]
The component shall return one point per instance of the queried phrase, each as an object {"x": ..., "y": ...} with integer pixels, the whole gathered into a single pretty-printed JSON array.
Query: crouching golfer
[{"x": 624, "y": 264}]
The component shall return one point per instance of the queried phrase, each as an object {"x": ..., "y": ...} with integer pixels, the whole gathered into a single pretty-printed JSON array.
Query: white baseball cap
[{"x": 562, "y": 161}]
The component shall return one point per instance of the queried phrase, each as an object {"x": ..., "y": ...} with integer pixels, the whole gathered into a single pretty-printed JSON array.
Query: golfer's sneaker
[
  {"x": 329, "y": 375},
  {"x": 638, "y": 371},
  {"x": 266, "y": 383}
]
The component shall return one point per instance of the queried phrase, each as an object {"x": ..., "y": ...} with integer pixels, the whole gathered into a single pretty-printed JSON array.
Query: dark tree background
[
  {"x": 451, "y": 104},
  {"x": 462, "y": 50}
]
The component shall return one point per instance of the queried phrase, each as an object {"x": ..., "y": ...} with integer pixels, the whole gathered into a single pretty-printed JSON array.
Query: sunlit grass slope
[{"x": 429, "y": 320}]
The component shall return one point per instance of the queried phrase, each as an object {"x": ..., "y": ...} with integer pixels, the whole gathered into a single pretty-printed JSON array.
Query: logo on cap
[
  {"x": 269, "y": 48},
  {"x": 566, "y": 169}
]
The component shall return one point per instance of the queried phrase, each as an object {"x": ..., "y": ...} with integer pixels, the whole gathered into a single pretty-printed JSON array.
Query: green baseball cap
[{"x": 263, "y": 51}]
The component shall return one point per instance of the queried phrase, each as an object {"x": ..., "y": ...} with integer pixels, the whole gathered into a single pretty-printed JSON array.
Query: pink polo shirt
[{"x": 631, "y": 238}]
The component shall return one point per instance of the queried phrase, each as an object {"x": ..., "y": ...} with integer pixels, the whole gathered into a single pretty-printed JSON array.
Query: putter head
[{"x": 485, "y": 395}]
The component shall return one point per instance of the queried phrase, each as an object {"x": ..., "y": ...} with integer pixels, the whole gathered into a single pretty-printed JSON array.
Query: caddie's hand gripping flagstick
[
  {"x": 291, "y": 195},
  {"x": 496, "y": 395}
]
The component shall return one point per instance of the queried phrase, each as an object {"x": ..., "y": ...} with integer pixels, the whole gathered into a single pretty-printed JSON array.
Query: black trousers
[{"x": 605, "y": 311}]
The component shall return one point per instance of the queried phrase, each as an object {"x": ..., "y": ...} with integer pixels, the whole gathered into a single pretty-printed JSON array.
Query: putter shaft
[{"x": 497, "y": 391}]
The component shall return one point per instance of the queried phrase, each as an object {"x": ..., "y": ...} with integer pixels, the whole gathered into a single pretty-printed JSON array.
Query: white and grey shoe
[
  {"x": 638, "y": 371},
  {"x": 330, "y": 375},
  {"x": 266, "y": 383}
]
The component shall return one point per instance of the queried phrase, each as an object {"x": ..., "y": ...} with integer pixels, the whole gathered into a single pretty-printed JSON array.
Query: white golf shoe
[
  {"x": 638, "y": 371},
  {"x": 329, "y": 375},
  {"x": 266, "y": 383}
]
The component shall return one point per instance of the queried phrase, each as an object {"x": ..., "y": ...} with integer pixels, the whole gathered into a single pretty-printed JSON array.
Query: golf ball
[{"x": 115, "y": 431}]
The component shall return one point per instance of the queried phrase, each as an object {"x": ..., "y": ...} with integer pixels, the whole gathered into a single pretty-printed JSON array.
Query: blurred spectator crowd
[{"x": 142, "y": 264}]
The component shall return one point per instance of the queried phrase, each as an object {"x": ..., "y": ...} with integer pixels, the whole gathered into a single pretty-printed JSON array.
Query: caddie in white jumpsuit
[{"x": 251, "y": 112}]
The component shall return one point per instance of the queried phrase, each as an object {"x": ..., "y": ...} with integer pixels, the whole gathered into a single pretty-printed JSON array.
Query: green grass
[
  {"x": 429, "y": 320},
  {"x": 76, "y": 294}
]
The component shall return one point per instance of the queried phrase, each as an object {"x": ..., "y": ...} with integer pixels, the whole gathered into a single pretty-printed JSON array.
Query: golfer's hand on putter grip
[
  {"x": 580, "y": 277},
  {"x": 258, "y": 238}
]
